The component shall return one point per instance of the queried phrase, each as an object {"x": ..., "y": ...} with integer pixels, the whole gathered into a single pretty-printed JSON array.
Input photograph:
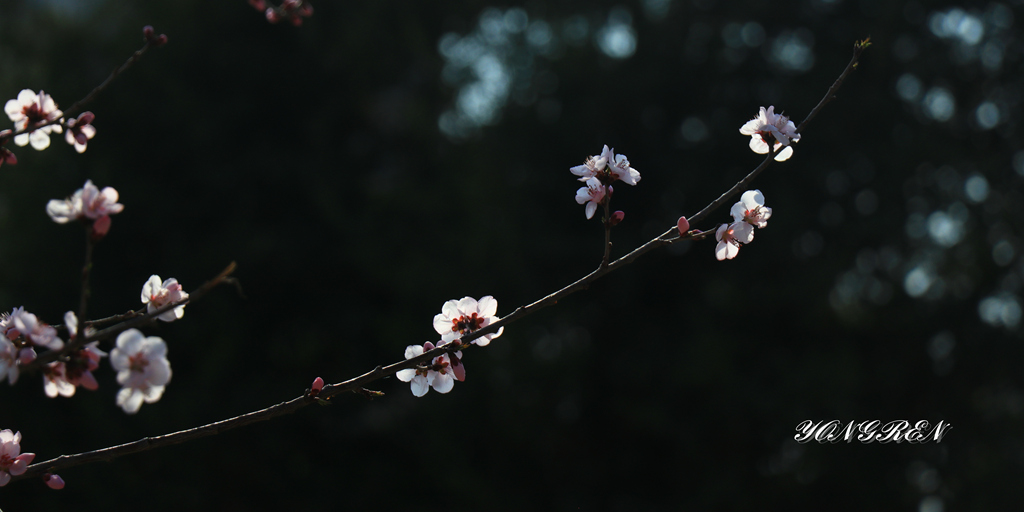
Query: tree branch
[{"x": 357, "y": 383}]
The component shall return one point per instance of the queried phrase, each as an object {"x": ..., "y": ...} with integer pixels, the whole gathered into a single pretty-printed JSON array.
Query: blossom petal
[{"x": 783, "y": 155}]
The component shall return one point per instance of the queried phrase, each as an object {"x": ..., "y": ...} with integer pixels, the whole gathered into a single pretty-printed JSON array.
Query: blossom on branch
[
  {"x": 12, "y": 461},
  {"x": 142, "y": 369},
  {"x": 729, "y": 237},
  {"x": 771, "y": 128},
  {"x": 592, "y": 194},
  {"x": 439, "y": 374},
  {"x": 156, "y": 294},
  {"x": 461, "y": 317},
  {"x": 33, "y": 330},
  {"x": 80, "y": 130},
  {"x": 607, "y": 167},
  {"x": 30, "y": 109},
  {"x": 63, "y": 377},
  {"x": 750, "y": 212},
  {"x": 87, "y": 202}
]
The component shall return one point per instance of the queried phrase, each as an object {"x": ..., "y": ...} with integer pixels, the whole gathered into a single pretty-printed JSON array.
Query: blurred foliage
[{"x": 387, "y": 156}]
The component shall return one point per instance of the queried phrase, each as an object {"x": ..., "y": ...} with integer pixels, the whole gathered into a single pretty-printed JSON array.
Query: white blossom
[
  {"x": 768, "y": 125},
  {"x": 30, "y": 109},
  {"x": 156, "y": 294},
  {"x": 461, "y": 317},
  {"x": 440, "y": 374},
  {"x": 142, "y": 369}
]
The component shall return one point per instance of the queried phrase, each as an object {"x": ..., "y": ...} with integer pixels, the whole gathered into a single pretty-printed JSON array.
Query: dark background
[{"x": 388, "y": 156}]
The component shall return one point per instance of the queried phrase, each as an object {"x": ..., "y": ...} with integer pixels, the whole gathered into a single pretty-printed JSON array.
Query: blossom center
[
  {"x": 464, "y": 324},
  {"x": 138, "y": 363}
]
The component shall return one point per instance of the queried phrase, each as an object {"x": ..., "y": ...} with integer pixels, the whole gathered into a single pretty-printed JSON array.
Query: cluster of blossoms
[
  {"x": 598, "y": 173},
  {"x": 35, "y": 117},
  {"x": 747, "y": 213},
  {"x": 141, "y": 363},
  {"x": 64, "y": 376},
  {"x": 291, "y": 10},
  {"x": 458, "y": 318},
  {"x": 771, "y": 128}
]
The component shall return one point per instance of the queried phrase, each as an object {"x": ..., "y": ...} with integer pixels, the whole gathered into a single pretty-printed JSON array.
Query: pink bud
[
  {"x": 272, "y": 15},
  {"x": 26, "y": 355},
  {"x": 683, "y": 225},
  {"x": 296, "y": 20},
  {"x": 258, "y": 4},
  {"x": 53, "y": 481},
  {"x": 160, "y": 40},
  {"x": 6, "y": 157},
  {"x": 318, "y": 384},
  {"x": 147, "y": 32},
  {"x": 100, "y": 227},
  {"x": 617, "y": 217}
]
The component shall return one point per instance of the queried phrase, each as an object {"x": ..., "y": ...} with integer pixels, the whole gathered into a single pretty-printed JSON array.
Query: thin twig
[
  {"x": 76, "y": 106},
  {"x": 83, "y": 302},
  {"x": 357, "y": 383},
  {"x": 127, "y": 321}
]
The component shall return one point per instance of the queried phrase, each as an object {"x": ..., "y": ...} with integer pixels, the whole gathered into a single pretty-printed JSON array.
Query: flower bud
[
  {"x": 617, "y": 217},
  {"x": 147, "y": 33},
  {"x": 683, "y": 225},
  {"x": 53, "y": 481},
  {"x": 272, "y": 15},
  {"x": 259, "y": 5},
  {"x": 318, "y": 385}
]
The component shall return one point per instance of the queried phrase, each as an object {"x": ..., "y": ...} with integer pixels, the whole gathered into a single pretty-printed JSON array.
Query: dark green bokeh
[{"x": 886, "y": 286}]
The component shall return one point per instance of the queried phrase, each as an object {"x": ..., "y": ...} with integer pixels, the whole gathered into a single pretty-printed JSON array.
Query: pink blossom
[
  {"x": 87, "y": 202},
  {"x": 156, "y": 294},
  {"x": 142, "y": 369},
  {"x": 62, "y": 377},
  {"x": 439, "y": 375},
  {"x": 29, "y": 110},
  {"x": 461, "y": 317},
  {"x": 80, "y": 130},
  {"x": 33, "y": 330},
  {"x": 592, "y": 194},
  {"x": 767, "y": 127},
  {"x": 12, "y": 461},
  {"x": 55, "y": 382}
]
